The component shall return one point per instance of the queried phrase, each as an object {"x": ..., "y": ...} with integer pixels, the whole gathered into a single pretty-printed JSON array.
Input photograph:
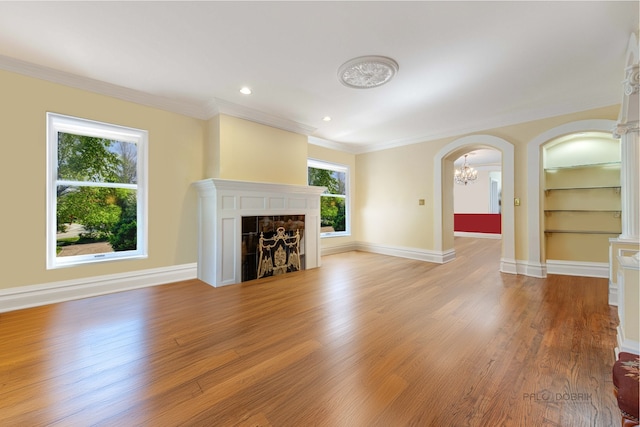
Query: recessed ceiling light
[
  {"x": 245, "y": 91},
  {"x": 326, "y": 118},
  {"x": 366, "y": 72}
]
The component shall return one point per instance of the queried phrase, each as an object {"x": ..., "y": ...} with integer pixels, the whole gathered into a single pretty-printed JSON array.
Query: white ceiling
[{"x": 464, "y": 66}]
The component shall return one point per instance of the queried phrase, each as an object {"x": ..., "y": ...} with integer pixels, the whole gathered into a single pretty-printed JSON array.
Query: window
[
  {"x": 334, "y": 203},
  {"x": 96, "y": 191}
]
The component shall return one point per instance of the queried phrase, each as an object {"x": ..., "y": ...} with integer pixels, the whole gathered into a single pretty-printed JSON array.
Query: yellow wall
[
  {"x": 175, "y": 161},
  {"x": 211, "y": 149},
  {"x": 386, "y": 184},
  {"x": 390, "y": 182},
  {"x": 254, "y": 152}
]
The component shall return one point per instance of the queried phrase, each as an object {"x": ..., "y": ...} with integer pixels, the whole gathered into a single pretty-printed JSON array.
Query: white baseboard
[
  {"x": 438, "y": 257},
  {"x": 339, "y": 249},
  {"x": 626, "y": 345},
  {"x": 49, "y": 293},
  {"x": 477, "y": 235},
  {"x": 567, "y": 268},
  {"x": 577, "y": 268},
  {"x": 509, "y": 266},
  {"x": 531, "y": 269}
]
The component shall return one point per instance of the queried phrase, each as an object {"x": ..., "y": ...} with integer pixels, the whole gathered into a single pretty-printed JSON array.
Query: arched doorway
[
  {"x": 477, "y": 194},
  {"x": 536, "y": 265},
  {"x": 443, "y": 205}
]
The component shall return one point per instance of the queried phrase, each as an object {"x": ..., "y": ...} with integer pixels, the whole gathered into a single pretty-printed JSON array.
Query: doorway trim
[{"x": 507, "y": 261}]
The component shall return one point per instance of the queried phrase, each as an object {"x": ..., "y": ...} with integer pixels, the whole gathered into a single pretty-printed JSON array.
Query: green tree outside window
[{"x": 333, "y": 201}]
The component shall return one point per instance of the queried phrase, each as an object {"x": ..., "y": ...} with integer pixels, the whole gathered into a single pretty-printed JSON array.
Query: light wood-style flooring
[{"x": 365, "y": 340}]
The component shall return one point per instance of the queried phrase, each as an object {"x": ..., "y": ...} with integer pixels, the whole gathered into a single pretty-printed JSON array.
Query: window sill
[
  {"x": 98, "y": 258},
  {"x": 335, "y": 234}
]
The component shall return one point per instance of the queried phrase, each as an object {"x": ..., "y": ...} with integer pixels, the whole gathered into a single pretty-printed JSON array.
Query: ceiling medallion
[{"x": 366, "y": 72}]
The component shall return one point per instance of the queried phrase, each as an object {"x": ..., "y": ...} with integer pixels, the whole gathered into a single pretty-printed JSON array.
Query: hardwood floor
[{"x": 365, "y": 340}]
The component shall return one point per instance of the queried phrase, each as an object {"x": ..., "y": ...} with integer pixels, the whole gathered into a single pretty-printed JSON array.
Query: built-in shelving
[
  {"x": 615, "y": 188},
  {"x": 582, "y": 210},
  {"x": 581, "y": 232}
]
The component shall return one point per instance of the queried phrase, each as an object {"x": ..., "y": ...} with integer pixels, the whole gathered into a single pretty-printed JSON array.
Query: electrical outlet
[{"x": 421, "y": 202}]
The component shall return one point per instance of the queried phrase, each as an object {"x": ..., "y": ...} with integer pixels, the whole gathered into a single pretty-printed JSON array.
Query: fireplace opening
[{"x": 272, "y": 245}]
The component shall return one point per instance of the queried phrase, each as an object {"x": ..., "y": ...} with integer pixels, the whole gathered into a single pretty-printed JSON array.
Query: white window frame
[
  {"x": 67, "y": 124},
  {"x": 321, "y": 164}
]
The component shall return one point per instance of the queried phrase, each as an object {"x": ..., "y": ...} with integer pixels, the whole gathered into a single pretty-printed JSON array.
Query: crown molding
[
  {"x": 96, "y": 86},
  {"x": 220, "y": 106},
  {"x": 333, "y": 145}
]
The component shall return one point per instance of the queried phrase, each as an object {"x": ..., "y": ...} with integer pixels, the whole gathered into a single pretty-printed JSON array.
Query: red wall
[{"x": 478, "y": 223}]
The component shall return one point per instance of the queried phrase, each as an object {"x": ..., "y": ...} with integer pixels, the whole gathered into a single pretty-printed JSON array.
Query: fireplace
[{"x": 226, "y": 207}]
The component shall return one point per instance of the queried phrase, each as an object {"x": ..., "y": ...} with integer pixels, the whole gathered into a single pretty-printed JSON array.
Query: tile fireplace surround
[{"x": 222, "y": 205}]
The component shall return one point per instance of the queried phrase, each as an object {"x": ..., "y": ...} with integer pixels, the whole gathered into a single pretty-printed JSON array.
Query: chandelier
[{"x": 466, "y": 174}]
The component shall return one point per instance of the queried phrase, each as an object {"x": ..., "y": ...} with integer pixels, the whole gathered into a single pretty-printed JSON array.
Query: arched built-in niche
[
  {"x": 443, "y": 182},
  {"x": 581, "y": 203},
  {"x": 535, "y": 265}
]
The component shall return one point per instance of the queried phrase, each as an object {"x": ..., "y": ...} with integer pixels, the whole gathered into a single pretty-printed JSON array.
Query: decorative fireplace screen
[
  {"x": 278, "y": 254},
  {"x": 267, "y": 228}
]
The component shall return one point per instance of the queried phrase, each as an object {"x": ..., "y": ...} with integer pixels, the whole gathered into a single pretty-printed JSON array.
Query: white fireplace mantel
[{"x": 222, "y": 205}]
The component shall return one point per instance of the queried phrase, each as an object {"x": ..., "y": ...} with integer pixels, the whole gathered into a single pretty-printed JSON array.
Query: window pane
[
  {"x": 95, "y": 191},
  {"x": 334, "y": 181},
  {"x": 93, "y": 220},
  {"x": 87, "y": 158},
  {"x": 332, "y": 214}
]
